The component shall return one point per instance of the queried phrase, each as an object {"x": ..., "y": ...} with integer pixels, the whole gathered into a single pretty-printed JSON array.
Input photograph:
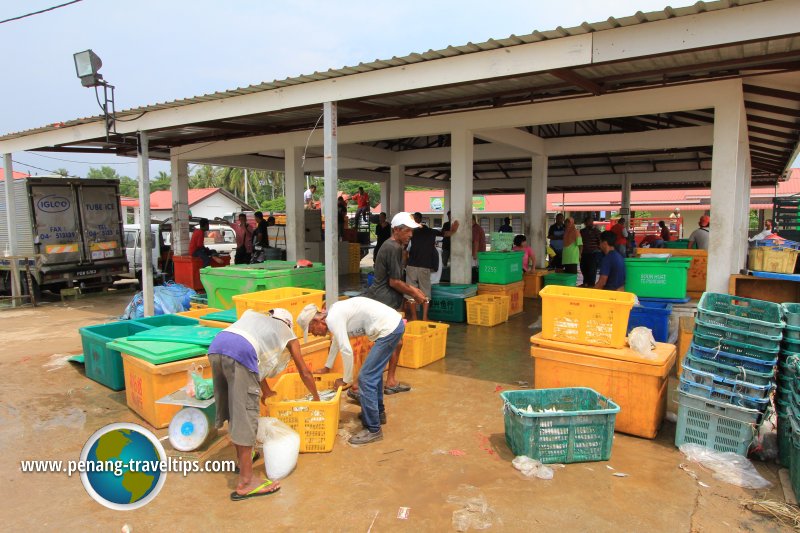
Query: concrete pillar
[
  {"x": 461, "y": 159},
  {"x": 11, "y": 224},
  {"x": 180, "y": 205},
  {"x": 729, "y": 177},
  {"x": 144, "y": 215},
  {"x": 385, "y": 197},
  {"x": 397, "y": 190},
  {"x": 625, "y": 208},
  {"x": 295, "y": 211},
  {"x": 331, "y": 186},
  {"x": 536, "y": 208},
  {"x": 447, "y": 195}
]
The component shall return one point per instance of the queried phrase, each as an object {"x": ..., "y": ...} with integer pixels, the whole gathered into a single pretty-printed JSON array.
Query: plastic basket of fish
[
  {"x": 739, "y": 349},
  {"x": 727, "y": 385},
  {"x": 716, "y": 425},
  {"x": 739, "y": 361},
  {"x": 756, "y": 374},
  {"x": 716, "y": 393},
  {"x": 569, "y": 425},
  {"x": 742, "y": 314}
]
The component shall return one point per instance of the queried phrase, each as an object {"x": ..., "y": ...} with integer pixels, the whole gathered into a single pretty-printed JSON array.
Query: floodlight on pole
[{"x": 87, "y": 64}]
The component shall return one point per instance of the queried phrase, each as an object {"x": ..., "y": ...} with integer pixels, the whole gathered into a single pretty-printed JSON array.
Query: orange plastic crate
[{"x": 514, "y": 291}]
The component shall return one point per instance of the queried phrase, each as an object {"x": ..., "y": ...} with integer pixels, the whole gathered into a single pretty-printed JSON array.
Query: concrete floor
[{"x": 48, "y": 409}]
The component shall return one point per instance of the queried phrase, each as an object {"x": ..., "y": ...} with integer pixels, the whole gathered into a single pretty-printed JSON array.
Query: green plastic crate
[
  {"x": 447, "y": 309},
  {"x": 454, "y": 290},
  {"x": 559, "y": 278},
  {"x": 793, "y": 333},
  {"x": 500, "y": 268},
  {"x": 792, "y": 313},
  {"x": 679, "y": 244},
  {"x": 501, "y": 242},
  {"x": 785, "y": 440},
  {"x": 758, "y": 340},
  {"x": 716, "y": 425},
  {"x": 157, "y": 352},
  {"x": 742, "y": 349},
  {"x": 200, "y": 335},
  {"x": 655, "y": 277},
  {"x": 104, "y": 364},
  {"x": 582, "y": 431},
  {"x": 222, "y": 284},
  {"x": 730, "y": 372},
  {"x": 157, "y": 321},
  {"x": 742, "y": 314}
]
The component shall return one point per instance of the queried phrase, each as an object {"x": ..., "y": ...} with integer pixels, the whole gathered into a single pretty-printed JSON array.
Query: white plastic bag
[
  {"x": 727, "y": 466},
  {"x": 532, "y": 468},
  {"x": 641, "y": 340},
  {"x": 281, "y": 447}
]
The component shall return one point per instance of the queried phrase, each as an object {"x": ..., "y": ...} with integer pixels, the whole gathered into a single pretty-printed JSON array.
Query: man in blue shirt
[{"x": 612, "y": 266}]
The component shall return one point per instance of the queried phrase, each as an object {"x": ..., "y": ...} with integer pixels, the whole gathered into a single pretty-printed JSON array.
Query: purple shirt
[{"x": 237, "y": 348}]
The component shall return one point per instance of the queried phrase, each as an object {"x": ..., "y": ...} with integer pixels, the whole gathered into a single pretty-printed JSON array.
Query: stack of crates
[
  {"x": 787, "y": 398},
  {"x": 786, "y": 216},
  {"x": 729, "y": 373},
  {"x": 500, "y": 274},
  {"x": 448, "y": 301},
  {"x": 774, "y": 256},
  {"x": 355, "y": 258}
]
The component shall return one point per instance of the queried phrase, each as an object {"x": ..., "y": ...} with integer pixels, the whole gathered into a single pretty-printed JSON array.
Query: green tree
[
  {"x": 203, "y": 176},
  {"x": 162, "y": 182},
  {"x": 102, "y": 173},
  {"x": 127, "y": 186},
  {"x": 63, "y": 172}
]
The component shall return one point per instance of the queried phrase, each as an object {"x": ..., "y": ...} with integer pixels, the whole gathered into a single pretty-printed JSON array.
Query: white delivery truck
[{"x": 70, "y": 228}]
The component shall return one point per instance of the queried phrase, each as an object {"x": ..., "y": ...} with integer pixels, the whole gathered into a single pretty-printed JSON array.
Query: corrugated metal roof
[{"x": 431, "y": 55}]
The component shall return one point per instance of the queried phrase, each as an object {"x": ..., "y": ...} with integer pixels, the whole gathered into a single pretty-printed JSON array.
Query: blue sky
[{"x": 157, "y": 50}]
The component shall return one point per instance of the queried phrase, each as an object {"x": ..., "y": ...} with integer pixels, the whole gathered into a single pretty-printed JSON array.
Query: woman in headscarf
[{"x": 573, "y": 246}]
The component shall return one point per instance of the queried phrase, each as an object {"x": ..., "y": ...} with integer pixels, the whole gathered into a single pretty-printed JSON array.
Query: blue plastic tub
[{"x": 653, "y": 315}]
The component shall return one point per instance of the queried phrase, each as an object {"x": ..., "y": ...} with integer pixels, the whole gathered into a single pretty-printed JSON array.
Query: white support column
[
  {"x": 11, "y": 224},
  {"x": 295, "y": 210},
  {"x": 397, "y": 190},
  {"x": 461, "y": 205},
  {"x": 447, "y": 196},
  {"x": 144, "y": 216},
  {"x": 385, "y": 197},
  {"x": 331, "y": 186},
  {"x": 536, "y": 205},
  {"x": 625, "y": 206},
  {"x": 180, "y": 205},
  {"x": 728, "y": 180}
]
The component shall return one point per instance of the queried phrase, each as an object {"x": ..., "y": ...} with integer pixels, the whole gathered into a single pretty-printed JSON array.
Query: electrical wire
[
  {"x": 82, "y": 162},
  {"x": 303, "y": 161},
  {"x": 39, "y": 168},
  {"x": 40, "y": 11}
]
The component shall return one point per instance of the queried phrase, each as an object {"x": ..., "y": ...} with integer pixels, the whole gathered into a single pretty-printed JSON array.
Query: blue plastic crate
[
  {"x": 731, "y": 346},
  {"x": 716, "y": 425},
  {"x": 652, "y": 315},
  {"x": 725, "y": 385},
  {"x": 727, "y": 358},
  {"x": 722, "y": 395}
]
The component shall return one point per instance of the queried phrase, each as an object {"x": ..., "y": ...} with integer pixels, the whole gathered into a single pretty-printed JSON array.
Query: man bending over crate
[
  {"x": 242, "y": 357},
  {"x": 352, "y": 318}
]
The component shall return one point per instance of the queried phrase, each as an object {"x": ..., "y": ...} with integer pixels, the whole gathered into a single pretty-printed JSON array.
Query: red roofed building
[
  {"x": 203, "y": 203},
  {"x": 692, "y": 203},
  {"x": 17, "y": 175}
]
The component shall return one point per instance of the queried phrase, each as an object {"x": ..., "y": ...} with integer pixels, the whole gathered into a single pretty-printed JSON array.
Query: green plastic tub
[
  {"x": 103, "y": 364},
  {"x": 742, "y": 314},
  {"x": 792, "y": 313},
  {"x": 157, "y": 321},
  {"x": 222, "y": 284},
  {"x": 656, "y": 277},
  {"x": 158, "y": 352},
  {"x": 680, "y": 244},
  {"x": 447, "y": 309},
  {"x": 581, "y": 430},
  {"x": 200, "y": 335},
  {"x": 454, "y": 290},
  {"x": 500, "y": 268},
  {"x": 559, "y": 278}
]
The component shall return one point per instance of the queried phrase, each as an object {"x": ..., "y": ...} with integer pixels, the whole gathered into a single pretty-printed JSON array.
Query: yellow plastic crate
[
  {"x": 769, "y": 259},
  {"x": 315, "y": 422},
  {"x": 195, "y": 305},
  {"x": 487, "y": 310},
  {"x": 423, "y": 343},
  {"x": 289, "y": 298},
  {"x": 514, "y": 291},
  {"x": 585, "y": 316},
  {"x": 199, "y": 312}
]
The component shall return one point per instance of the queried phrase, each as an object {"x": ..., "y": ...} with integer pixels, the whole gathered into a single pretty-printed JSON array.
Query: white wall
[{"x": 216, "y": 205}]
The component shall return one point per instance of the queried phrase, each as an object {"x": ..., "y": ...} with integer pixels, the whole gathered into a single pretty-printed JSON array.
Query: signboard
[
  {"x": 437, "y": 203},
  {"x": 478, "y": 203}
]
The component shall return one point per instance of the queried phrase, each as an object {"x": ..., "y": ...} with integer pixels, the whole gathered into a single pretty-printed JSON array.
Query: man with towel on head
[
  {"x": 255, "y": 347},
  {"x": 352, "y": 318}
]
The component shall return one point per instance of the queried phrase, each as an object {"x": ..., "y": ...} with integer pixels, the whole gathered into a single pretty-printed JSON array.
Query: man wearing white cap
[
  {"x": 255, "y": 347},
  {"x": 389, "y": 286},
  {"x": 352, "y": 318}
]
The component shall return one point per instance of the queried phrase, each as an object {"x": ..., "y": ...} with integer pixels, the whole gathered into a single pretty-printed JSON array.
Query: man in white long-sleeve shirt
[{"x": 352, "y": 318}]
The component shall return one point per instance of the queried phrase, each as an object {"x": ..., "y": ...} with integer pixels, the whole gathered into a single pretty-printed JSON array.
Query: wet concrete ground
[{"x": 444, "y": 449}]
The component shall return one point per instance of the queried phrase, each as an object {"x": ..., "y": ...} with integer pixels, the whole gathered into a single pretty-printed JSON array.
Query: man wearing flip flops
[
  {"x": 255, "y": 347},
  {"x": 352, "y": 318}
]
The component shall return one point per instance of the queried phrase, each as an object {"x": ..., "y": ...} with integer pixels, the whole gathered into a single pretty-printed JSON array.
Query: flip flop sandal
[
  {"x": 400, "y": 387},
  {"x": 353, "y": 395},
  {"x": 255, "y": 493}
]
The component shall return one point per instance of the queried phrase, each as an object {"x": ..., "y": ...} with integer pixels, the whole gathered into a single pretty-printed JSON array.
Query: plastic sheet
[
  {"x": 531, "y": 467},
  {"x": 641, "y": 341},
  {"x": 168, "y": 298},
  {"x": 727, "y": 466}
]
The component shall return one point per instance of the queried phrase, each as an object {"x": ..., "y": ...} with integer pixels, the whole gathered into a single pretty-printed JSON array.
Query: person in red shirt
[
  {"x": 362, "y": 200},
  {"x": 197, "y": 246},
  {"x": 621, "y": 233}
]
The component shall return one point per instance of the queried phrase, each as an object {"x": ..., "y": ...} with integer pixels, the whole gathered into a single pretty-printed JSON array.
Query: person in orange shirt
[
  {"x": 362, "y": 200},
  {"x": 197, "y": 246}
]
